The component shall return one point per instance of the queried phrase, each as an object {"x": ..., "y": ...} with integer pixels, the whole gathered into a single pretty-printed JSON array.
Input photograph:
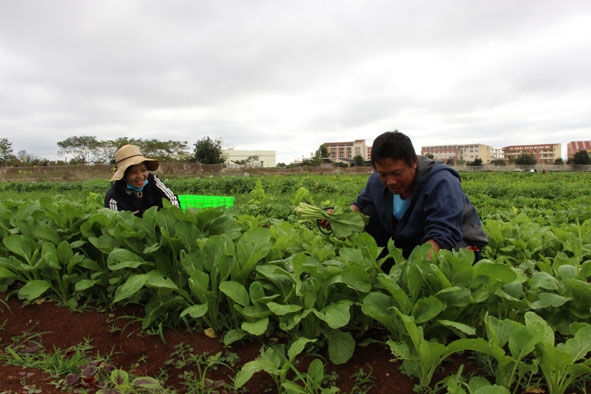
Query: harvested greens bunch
[{"x": 343, "y": 220}]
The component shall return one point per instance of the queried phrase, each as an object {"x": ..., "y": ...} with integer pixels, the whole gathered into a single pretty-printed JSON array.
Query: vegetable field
[{"x": 262, "y": 275}]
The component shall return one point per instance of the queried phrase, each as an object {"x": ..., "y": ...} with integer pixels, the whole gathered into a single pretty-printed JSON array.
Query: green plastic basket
[{"x": 196, "y": 201}]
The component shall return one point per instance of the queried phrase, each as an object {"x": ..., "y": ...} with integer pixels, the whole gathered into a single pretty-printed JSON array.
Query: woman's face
[{"x": 137, "y": 175}]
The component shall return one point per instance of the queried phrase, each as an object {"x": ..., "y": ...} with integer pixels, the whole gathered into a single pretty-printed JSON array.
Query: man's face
[
  {"x": 397, "y": 176},
  {"x": 137, "y": 175}
]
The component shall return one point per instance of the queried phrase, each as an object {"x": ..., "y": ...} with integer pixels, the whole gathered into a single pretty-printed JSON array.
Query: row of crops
[{"x": 256, "y": 270}]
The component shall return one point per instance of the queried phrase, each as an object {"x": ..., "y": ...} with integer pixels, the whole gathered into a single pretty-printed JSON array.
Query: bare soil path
[{"x": 56, "y": 327}]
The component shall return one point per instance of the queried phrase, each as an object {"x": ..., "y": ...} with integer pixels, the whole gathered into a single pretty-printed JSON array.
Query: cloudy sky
[{"x": 290, "y": 75}]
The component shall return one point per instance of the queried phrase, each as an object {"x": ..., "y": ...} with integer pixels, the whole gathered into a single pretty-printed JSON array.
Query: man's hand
[
  {"x": 435, "y": 249},
  {"x": 325, "y": 223}
]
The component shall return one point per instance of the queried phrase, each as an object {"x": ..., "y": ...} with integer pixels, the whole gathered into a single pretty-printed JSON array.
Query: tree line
[
  {"x": 526, "y": 159},
  {"x": 90, "y": 150},
  {"x": 581, "y": 157}
]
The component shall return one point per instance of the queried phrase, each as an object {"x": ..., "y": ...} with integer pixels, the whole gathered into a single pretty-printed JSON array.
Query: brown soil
[
  {"x": 146, "y": 355},
  {"x": 131, "y": 349}
]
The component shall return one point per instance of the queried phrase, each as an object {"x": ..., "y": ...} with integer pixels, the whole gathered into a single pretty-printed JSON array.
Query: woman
[{"x": 133, "y": 187}]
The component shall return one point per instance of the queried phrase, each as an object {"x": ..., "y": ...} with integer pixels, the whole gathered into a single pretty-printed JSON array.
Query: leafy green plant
[
  {"x": 27, "y": 388},
  {"x": 218, "y": 262},
  {"x": 195, "y": 367},
  {"x": 276, "y": 362},
  {"x": 121, "y": 382},
  {"x": 512, "y": 346},
  {"x": 445, "y": 295},
  {"x": 204, "y": 363},
  {"x": 75, "y": 367},
  {"x": 363, "y": 382},
  {"x": 257, "y": 270},
  {"x": 456, "y": 384},
  {"x": 343, "y": 220},
  {"x": 421, "y": 357},
  {"x": 564, "y": 363},
  {"x": 309, "y": 301}
]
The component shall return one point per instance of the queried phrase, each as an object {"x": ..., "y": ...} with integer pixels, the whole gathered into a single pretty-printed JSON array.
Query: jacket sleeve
[
  {"x": 374, "y": 193},
  {"x": 165, "y": 192},
  {"x": 370, "y": 193},
  {"x": 443, "y": 209},
  {"x": 111, "y": 200}
]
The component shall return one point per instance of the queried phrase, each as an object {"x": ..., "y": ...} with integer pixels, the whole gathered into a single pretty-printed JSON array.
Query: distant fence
[
  {"x": 80, "y": 172},
  {"x": 519, "y": 168}
]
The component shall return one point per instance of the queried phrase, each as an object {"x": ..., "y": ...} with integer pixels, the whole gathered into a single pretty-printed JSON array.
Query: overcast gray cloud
[{"x": 288, "y": 76}]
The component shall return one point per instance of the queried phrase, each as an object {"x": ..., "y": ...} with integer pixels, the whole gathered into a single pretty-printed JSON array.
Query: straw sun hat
[{"x": 130, "y": 155}]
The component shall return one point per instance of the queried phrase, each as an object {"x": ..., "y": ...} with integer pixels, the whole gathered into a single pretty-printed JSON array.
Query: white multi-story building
[
  {"x": 459, "y": 153},
  {"x": 498, "y": 154},
  {"x": 250, "y": 158}
]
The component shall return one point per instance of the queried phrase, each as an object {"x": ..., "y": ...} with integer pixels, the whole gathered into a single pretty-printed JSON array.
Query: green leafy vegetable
[{"x": 343, "y": 220}]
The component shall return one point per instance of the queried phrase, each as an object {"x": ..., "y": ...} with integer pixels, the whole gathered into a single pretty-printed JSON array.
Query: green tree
[
  {"x": 5, "y": 150},
  {"x": 161, "y": 150},
  {"x": 208, "y": 151},
  {"x": 476, "y": 162},
  {"x": 559, "y": 161},
  {"x": 253, "y": 161},
  {"x": 323, "y": 151},
  {"x": 582, "y": 157},
  {"x": 23, "y": 157},
  {"x": 320, "y": 156},
  {"x": 164, "y": 150},
  {"x": 525, "y": 159},
  {"x": 498, "y": 162},
  {"x": 250, "y": 161},
  {"x": 82, "y": 148},
  {"x": 105, "y": 152},
  {"x": 358, "y": 161},
  {"x": 309, "y": 162}
]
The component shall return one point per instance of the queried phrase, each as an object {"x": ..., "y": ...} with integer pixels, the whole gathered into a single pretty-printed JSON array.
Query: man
[{"x": 415, "y": 200}]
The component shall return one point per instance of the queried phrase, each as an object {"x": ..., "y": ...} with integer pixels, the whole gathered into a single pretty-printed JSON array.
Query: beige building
[
  {"x": 459, "y": 153},
  {"x": 250, "y": 158},
  {"x": 543, "y": 153},
  {"x": 344, "y": 151}
]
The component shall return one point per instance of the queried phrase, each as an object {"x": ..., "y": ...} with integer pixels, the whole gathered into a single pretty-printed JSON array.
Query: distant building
[
  {"x": 543, "y": 153},
  {"x": 250, "y": 158},
  {"x": 498, "y": 154},
  {"x": 459, "y": 153},
  {"x": 577, "y": 146},
  {"x": 346, "y": 151}
]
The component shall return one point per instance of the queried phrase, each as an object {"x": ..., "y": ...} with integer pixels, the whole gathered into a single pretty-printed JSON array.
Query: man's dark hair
[{"x": 393, "y": 145}]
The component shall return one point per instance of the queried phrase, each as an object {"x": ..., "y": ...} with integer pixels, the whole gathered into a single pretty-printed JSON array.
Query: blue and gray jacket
[{"x": 439, "y": 210}]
